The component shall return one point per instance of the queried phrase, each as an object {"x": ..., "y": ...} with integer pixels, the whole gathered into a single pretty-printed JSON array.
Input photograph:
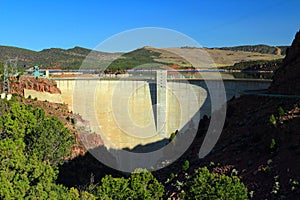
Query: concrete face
[
  {"x": 161, "y": 106},
  {"x": 67, "y": 90},
  {"x": 122, "y": 112},
  {"x": 43, "y": 96},
  {"x": 47, "y": 74}
]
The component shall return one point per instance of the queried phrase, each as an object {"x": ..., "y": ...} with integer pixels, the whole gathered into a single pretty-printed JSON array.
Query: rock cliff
[
  {"x": 287, "y": 77},
  {"x": 31, "y": 83}
]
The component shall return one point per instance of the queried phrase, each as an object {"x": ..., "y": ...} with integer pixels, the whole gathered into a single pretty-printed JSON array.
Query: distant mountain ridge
[
  {"x": 72, "y": 58},
  {"x": 53, "y": 57},
  {"x": 261, "y": 48}
]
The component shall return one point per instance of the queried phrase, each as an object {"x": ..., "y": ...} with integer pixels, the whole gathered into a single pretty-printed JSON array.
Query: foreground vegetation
[{"x": 33, "y": 146}]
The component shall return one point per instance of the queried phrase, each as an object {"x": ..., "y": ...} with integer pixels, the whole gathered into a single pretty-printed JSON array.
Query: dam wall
[
  {"x": 43, "y": 96},
  {"x": 126, "y": 114}
]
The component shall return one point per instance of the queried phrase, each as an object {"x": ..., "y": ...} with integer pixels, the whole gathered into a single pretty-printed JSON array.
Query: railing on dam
[{"x": 169, "y": 78}]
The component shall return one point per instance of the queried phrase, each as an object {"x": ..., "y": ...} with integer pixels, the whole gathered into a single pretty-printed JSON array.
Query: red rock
[{"x": 31, "y": 83}]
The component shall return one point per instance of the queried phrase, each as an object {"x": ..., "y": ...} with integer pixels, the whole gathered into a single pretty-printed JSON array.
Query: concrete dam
[{"x": 128, "y": 113}]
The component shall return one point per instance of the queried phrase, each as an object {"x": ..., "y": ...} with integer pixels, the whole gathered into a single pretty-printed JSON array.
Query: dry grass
[{"x": 208, "y": 58}]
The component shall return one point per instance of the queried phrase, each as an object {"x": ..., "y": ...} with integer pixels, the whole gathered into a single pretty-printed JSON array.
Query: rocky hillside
[
  {"x": 287, "y": 77},
  {"x": 260, "y": 141},
  {"x": 31, "y": 83},
  {"x": 265, "y": 154},
  {"x": 73, "y": 122}
]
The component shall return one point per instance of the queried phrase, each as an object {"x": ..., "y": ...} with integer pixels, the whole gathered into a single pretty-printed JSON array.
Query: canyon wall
[{"x": 287, "y": 77}]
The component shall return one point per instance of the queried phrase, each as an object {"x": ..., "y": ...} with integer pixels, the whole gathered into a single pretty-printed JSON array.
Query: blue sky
[{"x": 43, "y": 24}]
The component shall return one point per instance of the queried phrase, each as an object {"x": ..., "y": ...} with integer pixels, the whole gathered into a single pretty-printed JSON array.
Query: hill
[
  {"x": 177, "y": 57},
  {"x": 73, "y": 58},
  {"x": 261, "y": 48},
  {"x": 221, "y": 57},
  {"x": 54, "y": 57},
  {"x": 148, "y": 55},
  {"x": 256, "y": 65}
]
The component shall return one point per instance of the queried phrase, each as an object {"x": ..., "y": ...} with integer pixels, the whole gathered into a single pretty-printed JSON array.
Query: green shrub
[
  {"x": 145, "y": 186},
  {"x": 44, "y": 136},
  {"x": 172, "y": 176},
  {"x": 185, "y": 166},
  {"x": 206, "y": 185},
  {"x": 172, "y": 137},
  {"x": 87, "y": 196},
  {"x": 140, "y": 185},
  {"x": 294, "y": 185},
  {"x": 68, "y": 118},
  {"x": 276, "y": 186},
  {"x": 281, "y": 111},
  {"x": 267, "y": 170},
  {"x": 273, "y": 144},
  {"x": 272, "y": 120},
  {"x": 113, "y": 188},
  {"x": 31, "y": 144},
  {"x": 73, "y": 120}
]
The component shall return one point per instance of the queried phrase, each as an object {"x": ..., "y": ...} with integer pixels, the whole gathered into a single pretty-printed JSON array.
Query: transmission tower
[{"x": 9, "y": 70}]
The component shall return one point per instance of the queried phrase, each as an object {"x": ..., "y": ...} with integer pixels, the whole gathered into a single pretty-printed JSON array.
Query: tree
[
  {"x": 206, "y": 185},
  {"x": 26, "y": 169},
  {"x": 44, "y": 136},
  {"x": 140, "y": 185},
  {"x": 17, "y": 121},
  {"x": 113, "y": 188},
  {"x": 26, "y": 177},
  {"x": 145, "y": 186},
  {"x": 50, "y": 140}
]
